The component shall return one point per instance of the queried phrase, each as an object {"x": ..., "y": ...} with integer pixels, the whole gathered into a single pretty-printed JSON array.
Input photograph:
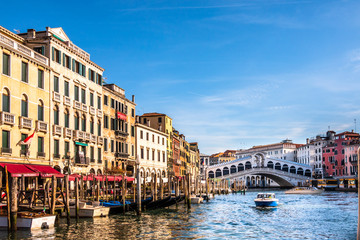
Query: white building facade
[{"x": 151, "y": 151}]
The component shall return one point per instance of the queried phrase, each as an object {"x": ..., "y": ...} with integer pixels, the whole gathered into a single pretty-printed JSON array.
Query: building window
[
  {"x": 40, "y": 144},
  {"x": 91, "y": 99},
  {"x": 5, "y": 139},
  {"x": 24, "y": 106},
  {"x": 76, "y": 121},
  {"x": 91, "y": 75},
  {"x": 99, "y": 155},
  {"x": 92, "y": 157},
  {"x": 56, "y": 115},
  {"x": 56, "y": 149},
  {"x": 56, "y": 55},
  {"x": 76, "y": 93},
  {"x": 6, "y": 64},
  {"x": 106, "y": 121},
  {"x": 153, "y": 138},
  {"x": 132, "y": 112},
  {"x": 133, "y": 131},
  {"x": 147, "y": 136},
  {"x": 41, "y": 111},
  {"x": 6, "y": 101},
  {"x": 98, "y": 79},
  {"x": 112, "y": 145},
  {"x": 99, "y": 102},
  {"x": 159, "y": 120},
  {"x": 158, "y": 139},
  {"x": 159, "y": 156},
  {"x": 153, "y": 155},
  {"x": 105, "y": 144},
  {"x": 24, "y": 72},
  {"x": 141, "y": 134},
  {"x": 99, "y": 128},
  {"x": 40, "y": 78},
  {"x": 163, "y": 156},
  {"x": 112, "y": 103},
  {"x": 83, "y": 123},
  {"x": 91, "y": 125},
  {"x": 105, "y": 100},
  {"x": 67, "y": 149},
  {"x": 66, "y": 88},
  {"x": 56, "y": 84},
  {"x": 142, "y": 153},
  {"x": 147, "y": 154},
  {"x": 83, "y": 96},
  {"x": 67, "y": 61},
  {"x": 66, "y": 119},
  {"x": 132, "y": 150}
]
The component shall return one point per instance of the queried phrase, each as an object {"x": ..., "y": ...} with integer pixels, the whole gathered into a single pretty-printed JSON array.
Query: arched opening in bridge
[
  {"x": 307, "y": 173},
  {"x": 278, "y": 166},
  {"x": 211, "y": 174},
  {"x": 233, "y": 169},
  {"x": 248, "y": 165},
  {"x": 292, "y": 169},
  {"x": 300, "y": 171},
  {"x": 240, "y": 167},
  {"x": 285, "y": 168},
  {"x": 248, "y": 182},
  {"x": 258, "y": 181},
  {"x": 253, "y": 181},
  {"x": 218, "y": 173},
  {"x": 225, "y": 171},
  {"x": 270, "y": 164}
]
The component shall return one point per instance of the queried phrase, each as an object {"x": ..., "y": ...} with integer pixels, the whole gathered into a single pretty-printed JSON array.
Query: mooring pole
[{"x": 77, "y": 198}]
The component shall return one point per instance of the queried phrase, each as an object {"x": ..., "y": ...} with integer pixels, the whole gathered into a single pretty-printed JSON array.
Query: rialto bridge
[{"x": 257, "y": 170}]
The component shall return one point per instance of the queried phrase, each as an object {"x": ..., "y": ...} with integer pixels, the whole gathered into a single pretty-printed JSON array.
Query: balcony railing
[
  {"x": 67, "y": 132},
  {"x": 87, "y": 136},
  {"x": 42, "y": 126},
  {"x": 99, "y": 113},
  {"x": 99, "y": 161},
  {"x": 84, "y": 107},
  {"x": 92, "y": 160},
  {"x": 57, "y": 130},
  {"x": 121, "y": 155},
  {"x": 56, "y": 96},
  {"x": 93, "y": 138},
  {"x": 79, "y": 134},
  {"x": 77, "y": 105},
  {"x": 41, "y": 154},
  {"x": 56, "y": 156},
  {"x": 92, "y": 110},
  {"x": 7, "y": 118},
  {"x": 25, "y": 122},
  {"x": 67, "y": 101},
  {"x": 6, "y": 150},
  {"x": 81, "y": 160},
  {"x": 119, "y": 133},
  {"x": 100, "y": 140}
]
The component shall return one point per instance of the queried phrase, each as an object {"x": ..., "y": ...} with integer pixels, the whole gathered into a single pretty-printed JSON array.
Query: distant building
[{"x": 204, "y": 162}]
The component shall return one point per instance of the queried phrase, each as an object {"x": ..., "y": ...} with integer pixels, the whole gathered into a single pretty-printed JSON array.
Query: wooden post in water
[
  {"x": 13, "y": 203},
  {"x": 7, "y": 197},
  {"x": 161, "y": 188},
  {"x": 207, "y": 187},
  {"x": 53, "y": 194},
  {"x": 77, "y": 198},
  {"x": 67, "y": 196},
  {"x": 189, "y": 191},
  {"x": 123, "y": 192},
  {"x": 155, "y": 187},
  {"x": 106, "y": 188},
  {"x": 144, "y": 187},
  {"x": 114, "y": 190},
  {"x": 169, "y": 185},
  {"x": 97, "y": 190},
  {"x": 186, "y": 190},
  {"x": 138, "y": 190},
  {"x": 81, "y": 187}
]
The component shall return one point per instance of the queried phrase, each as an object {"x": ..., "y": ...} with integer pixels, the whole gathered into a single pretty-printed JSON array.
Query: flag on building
[{"x": 27, "y": 141}]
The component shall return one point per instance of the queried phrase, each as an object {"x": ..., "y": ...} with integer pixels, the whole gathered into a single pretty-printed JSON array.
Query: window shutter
[
  {"x": 64, "y": 59},
  {"x": 73, "y": 65},
  {"x": 60, "y": 57},
  {"x": 84, "y": 71},
  {"x": 80, "y": 68},
  {"x": 70, "y": 62},
  {"x": 89, "y": 74},
  {"x": 97, "y": 77},
  {"x": 53, "y": 52},
  {"x": 43, "y": 50}
]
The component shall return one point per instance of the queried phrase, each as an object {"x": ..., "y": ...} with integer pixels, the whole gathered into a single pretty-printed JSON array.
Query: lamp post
[{"x": 138, "y": 186}]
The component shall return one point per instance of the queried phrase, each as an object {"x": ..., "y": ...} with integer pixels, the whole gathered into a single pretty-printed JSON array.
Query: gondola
[
  {"x": 173, "y": 201},
  {"x": 144, "y": 202},
  {"x": 157, "y": 203}
]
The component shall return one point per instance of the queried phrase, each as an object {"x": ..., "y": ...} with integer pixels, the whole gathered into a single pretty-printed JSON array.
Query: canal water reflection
[{"x": 331, "y": 215}]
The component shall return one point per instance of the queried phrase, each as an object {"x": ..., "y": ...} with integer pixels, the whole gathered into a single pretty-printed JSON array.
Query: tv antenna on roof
[
  {"x": 17, "y": 31},
  {"x": 355, "y": 124}
]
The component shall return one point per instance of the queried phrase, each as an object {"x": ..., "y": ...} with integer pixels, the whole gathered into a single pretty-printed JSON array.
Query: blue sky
[{"x": 231, "y": 74}]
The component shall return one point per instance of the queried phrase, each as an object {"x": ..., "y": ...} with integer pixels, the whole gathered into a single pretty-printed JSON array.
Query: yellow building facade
[{"x": 25, "y": 101}]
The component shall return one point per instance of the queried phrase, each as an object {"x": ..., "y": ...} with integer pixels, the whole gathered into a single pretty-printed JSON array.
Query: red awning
[
  {"x": 18, "y": 170},
  {"x": 129, "y": 179},
  {"x": 45, "y": 171},
  {"x": 121, "y": 116}
]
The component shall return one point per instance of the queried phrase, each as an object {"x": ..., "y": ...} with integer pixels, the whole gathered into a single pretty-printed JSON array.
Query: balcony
[
  {"x": 56, "y": 156},
  {"x": 92, "y": 110},
  {"x": 79, "y": 134},
  {"x": 6, "y": 150},
  {"x": 41, "y": 155},
  {"x": 77, "y": 105},
  {"x": 42, "y": 126},
  {"x": 121, "y": 134},
  {"x": 7, "y": 118},
  {"x": 93, "y": 138},
  {"x": 56, "y": 97},
  {"x": 67, "y": 101},
  {"x": 67, "y": 132},
  {"x": 25, "y": 122},
  {"x": 57, "y": 130},
  {"x": 84, "y": 107},
  {"x": 87, "y": 136},
  {"x": 121, "y": 155},
  {"x": 81, "y": 160},
  {"x": 99, "y": 113},
  {"x": 100, "y": 140}
]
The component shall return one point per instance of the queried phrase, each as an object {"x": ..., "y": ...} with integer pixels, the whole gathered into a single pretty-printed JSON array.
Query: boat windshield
[{"x": 266, "y": 195}]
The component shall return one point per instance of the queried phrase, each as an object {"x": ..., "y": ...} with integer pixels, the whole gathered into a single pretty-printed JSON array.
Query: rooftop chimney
[
  {"x": 31, "y": 33},
  {"x": 148, "y": 123},
  {"x": 133, "y": 98}
]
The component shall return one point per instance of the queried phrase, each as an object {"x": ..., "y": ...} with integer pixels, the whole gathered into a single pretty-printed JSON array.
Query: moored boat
[
  {"x": 304, "y": 190},
  {"x": 90, "y": 211},
  {"x": 266, "y": 200},
  {"x": 31, "y": 221}
]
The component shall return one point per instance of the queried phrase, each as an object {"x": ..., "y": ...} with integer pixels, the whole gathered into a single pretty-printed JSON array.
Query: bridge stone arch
[
  {"x": 292, "y": 169},
  {"x": 259, "y": 159},
  {"x": 300, "y": 171},
  {"x": 278, "y": 166},
  {"x": 248, "y": 165},
  {"x": 241, "y": 167},
  {"x": 218, "y": 173},
  {"x": 285, "y": 168},
  {"x": 225, "y": 171},
  {"x": 270, "y": 164},
  {"x": 233, "y": 169}
]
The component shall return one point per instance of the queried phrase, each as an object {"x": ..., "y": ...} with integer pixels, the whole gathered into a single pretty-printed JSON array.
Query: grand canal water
[{"x": 331, "y": 215}]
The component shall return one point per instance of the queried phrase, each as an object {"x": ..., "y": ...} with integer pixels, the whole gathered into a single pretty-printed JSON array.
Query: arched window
[
  {"x": 83, "y": 123},
  {"x": 24, "y": 106},
  {"x": 56, "y": 115},
  {"x": 91, "y": 125},
  {"x": 76, "y": 121},
  {"x": 41, "y": 111},
  {"x": 99, "y": 128},
  {"x": 66, "y": 118},
  {"x": 6, "y": 101}
]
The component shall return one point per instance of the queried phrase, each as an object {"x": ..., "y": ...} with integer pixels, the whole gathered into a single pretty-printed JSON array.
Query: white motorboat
[
  {"x": 266, "y": 200},
  {"x": 31, "y": 221},
  {"x": 304, "y": 190},
  {"x": 90, "y": 211}
]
